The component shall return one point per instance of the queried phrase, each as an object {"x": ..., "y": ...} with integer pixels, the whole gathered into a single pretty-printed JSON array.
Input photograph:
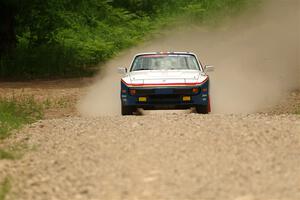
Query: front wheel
[
  {"x": 127, "y": 110},
  {"x": 201, "y": 109}
]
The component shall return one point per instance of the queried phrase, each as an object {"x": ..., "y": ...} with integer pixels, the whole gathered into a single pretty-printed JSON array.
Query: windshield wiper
[{"x": 141, "y": 69}]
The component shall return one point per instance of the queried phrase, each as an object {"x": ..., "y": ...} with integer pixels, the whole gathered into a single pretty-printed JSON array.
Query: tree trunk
[{"x": 7, "y": 28}]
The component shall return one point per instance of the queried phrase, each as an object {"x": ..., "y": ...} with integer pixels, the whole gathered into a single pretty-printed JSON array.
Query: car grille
[
  {"x": 147, "y": 92},
  {"x": 183, "y": 91},
  {"x": 142, "y": 92},
  {"x": 164, "y": 99}
]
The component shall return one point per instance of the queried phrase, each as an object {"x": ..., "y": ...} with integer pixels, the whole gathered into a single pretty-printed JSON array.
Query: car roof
[{"x": 164, "y": 53}]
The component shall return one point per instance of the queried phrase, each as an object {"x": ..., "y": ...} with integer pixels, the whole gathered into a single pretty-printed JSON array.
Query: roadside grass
[
  {"x": 5, "y": 187},
  {"x": 15, "y": 151},
  {"x": 15, "y": 112},
  {"x": 297, "y": 112},
  {"x": 8, "y": 155},
  {"x": 56, "y": 103}
]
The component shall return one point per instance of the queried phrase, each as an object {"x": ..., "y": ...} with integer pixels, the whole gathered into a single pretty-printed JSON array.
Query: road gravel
[
  {"x": 159, "y": 156},
  {"x": 173, "y": 155}
]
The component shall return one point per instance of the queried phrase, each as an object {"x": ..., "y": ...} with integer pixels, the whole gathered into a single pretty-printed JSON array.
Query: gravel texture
[
  {"x": 175, "y": 156},
  {"x": 289, "y": 104},
  {"x": 159, "y": 156}
]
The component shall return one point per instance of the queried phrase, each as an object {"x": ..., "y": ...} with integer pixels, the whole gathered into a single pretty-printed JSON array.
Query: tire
[
  {"x": 200, "y": 109},
  {"x": 127, "y": 110}
]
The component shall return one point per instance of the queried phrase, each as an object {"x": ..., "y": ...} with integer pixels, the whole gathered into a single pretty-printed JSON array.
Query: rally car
[{"x": 172, "y": 80}]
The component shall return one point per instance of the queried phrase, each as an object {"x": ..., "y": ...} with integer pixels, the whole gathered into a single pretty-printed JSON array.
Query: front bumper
[{"x": 165, "y": 97}]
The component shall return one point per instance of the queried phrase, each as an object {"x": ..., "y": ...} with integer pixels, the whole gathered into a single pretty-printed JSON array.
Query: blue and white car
[{"x": 172, "y": 80}]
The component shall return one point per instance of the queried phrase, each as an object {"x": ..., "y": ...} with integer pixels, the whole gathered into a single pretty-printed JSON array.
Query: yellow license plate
[
  {"x": 186, "y": 98},
  {"x": 142, "y": 99}
]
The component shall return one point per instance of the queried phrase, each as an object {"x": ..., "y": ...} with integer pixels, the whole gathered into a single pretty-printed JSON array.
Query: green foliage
[
  {"x": 5, "y": 187},
  {"x": 6, "y": 155},
  {"x": 16, "y": 112},
  {"x": 297, "y": 112},
  {"x": 14, "y": 152},
  {"x": 68, "y": 38}
]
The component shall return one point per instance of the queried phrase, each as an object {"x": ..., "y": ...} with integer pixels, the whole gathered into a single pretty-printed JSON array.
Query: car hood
[{"x": 165, "y": 77}]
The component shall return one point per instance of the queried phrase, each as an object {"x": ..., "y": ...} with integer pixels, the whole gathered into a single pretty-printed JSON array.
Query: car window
[{"x": 165, "y": 62}]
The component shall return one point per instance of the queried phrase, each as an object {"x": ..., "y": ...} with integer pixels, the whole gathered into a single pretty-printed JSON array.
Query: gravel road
[
  {"x": 174, "y": 155},
  {"x": 159, "y": 156}
]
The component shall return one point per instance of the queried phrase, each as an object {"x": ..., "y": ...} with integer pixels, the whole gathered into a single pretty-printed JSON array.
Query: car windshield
[{"x": 165, "y": 62}]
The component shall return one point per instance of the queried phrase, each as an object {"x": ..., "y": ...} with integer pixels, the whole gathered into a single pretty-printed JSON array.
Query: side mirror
[
  {"x": 122, "y": 70},
  {"x": 209, "y": 68}
]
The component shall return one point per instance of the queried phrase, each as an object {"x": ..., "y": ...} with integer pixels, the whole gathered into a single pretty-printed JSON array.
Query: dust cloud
[{"x": 256, "y": 59}]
